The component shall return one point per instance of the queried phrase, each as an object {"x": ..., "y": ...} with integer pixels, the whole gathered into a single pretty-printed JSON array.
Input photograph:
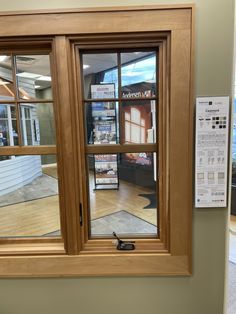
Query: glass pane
[
  {"x": 139, "y": 122},
  {"x": 102, "y": 122},
  {"x": 29, "y": 204},
  {"x": 122, "y": 195},
  {"x": 34, "y": 76},
  {"x": 6, "y": 81},
  {"x": 138, "y": 74},
  {"x": 8, "y": 127},
  {"x": 37, "y": 124},
  {"x": 100, "y": 75}
]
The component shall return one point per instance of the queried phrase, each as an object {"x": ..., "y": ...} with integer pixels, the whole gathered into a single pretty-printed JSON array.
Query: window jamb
[{"x": 157, "y": 245}]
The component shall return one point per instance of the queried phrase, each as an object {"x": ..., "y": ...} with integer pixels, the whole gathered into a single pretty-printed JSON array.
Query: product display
[{"x": 106, "y": 171}]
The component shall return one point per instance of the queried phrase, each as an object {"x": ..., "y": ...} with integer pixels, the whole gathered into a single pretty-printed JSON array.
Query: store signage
[
  {"x": 103, "y": 91},
  {"x": 142, "y": 94},
  {"x": 211, "y": 151}
]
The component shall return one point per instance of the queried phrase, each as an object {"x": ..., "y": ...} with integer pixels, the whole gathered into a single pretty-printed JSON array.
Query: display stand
[
  {"x": 104, "y": 120},
  {"x": 104, "y": 123},
  {"x": 106, "y": 172}
]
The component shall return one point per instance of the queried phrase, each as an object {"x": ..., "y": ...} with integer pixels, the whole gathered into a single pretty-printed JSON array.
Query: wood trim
[
  {"x": 32, "y": 248},
  {"x": 66, "y": 152},
  {"x": 141, "y": 246},
  {"x": 99, "y": 246},
  {"x": 24, "y": 45},
  {"x": 35, "y": 101},
  {"x": 191, "y": 130},
  {"x": 163, "y": 148},
  {"x": 82, "y": 162},
  {"x": 180, "y": 185},
  {"x": 119, "y": 99},
  {"x": 141, "y": 39},
  {"x": 89, "y": 265},
  {"x": 23, "y": 240},
  {"x": 30, "y": 101},
  {"x": 83, "y": 22},
  {"x": 100, "y": 9},
  {"x": 78, "y": 136},
  {"x": 28, "y": 150}
]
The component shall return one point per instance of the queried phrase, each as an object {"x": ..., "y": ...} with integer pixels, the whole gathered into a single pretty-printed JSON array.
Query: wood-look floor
[
  {"x": 126, "y": 198},
  {"x": 33, "y": 218},
  {"x": 41, "y": 216}
]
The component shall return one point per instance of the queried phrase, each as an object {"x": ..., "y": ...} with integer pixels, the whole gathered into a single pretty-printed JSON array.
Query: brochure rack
[{"x": 104, "y": 121}]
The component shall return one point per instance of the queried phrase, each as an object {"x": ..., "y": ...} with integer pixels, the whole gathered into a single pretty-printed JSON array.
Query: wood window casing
[
  {"x": 137, "y": 42},
  {"x": 171, "y": 28}
]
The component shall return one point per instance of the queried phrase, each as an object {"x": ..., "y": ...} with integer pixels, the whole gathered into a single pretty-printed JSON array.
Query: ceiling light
[
  {"x": 37, "y": 86},
  {"x": 44, "y": 78},
  {"x": 86, "y": 66},
  {"x": 3, "y": 58}
]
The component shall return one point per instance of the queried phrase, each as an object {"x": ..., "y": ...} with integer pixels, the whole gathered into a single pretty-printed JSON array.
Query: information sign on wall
[{"x": 211, "y": 151}]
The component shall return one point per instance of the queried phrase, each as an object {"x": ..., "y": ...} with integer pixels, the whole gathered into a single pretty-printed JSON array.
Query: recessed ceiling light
[
  {"x": 86, "y": 66},
  {"x": 37, "y": 86}
]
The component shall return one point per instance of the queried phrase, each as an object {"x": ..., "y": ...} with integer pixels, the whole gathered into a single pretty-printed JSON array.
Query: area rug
[
  {"x": 152, "y": 199},
  {"x": 121, "y": 222},
  {"x": 41, "y": 187}
]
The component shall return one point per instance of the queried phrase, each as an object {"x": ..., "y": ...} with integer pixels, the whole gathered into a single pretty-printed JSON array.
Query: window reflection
[
  {"x": 138, "y": 73},
  {"x": 138, "y": 77},
  {"x": 33, "y": 76},
  {"x": 8, "y": 126},
  {"x": 37, "y": 124},
  {"x": 29, "y": 204},
  {"x": 6, "y": 78},
  {"x": 102, "y": 123},
  {"x": 122, "y": 194},
  {"x": 140, "y": 122},
  {"x": 95, "y": 67}
]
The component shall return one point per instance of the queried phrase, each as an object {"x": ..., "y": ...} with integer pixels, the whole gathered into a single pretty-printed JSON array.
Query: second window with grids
[{"x": 120, "y": 98}]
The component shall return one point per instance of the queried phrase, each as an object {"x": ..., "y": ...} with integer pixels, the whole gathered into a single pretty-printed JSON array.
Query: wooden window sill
[
  {"x": 31, "y": 249},
  {"x": 94, "y": 265}
]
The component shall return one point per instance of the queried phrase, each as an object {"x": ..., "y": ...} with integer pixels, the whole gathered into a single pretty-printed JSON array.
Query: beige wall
[{"x": 203, "y": 292}]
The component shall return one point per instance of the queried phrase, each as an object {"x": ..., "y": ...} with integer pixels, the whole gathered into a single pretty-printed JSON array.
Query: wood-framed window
[{"x": 116, "y": 123}]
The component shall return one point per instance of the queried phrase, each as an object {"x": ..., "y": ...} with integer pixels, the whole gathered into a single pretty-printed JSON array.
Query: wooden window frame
[{"x": 172, "y": 26}]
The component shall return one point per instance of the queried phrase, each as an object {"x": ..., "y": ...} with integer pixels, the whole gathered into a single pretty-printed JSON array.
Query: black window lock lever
[{"x": 123, "y": 245}]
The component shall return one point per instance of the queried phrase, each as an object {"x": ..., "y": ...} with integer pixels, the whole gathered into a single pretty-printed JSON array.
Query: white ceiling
[
  {"x": 40, "y": 64},
  {"x": 101, "y": 62}
]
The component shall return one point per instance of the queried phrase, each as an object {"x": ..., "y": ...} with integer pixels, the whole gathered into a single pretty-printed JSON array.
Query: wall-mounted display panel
[{"x": 211, "y": 152}]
